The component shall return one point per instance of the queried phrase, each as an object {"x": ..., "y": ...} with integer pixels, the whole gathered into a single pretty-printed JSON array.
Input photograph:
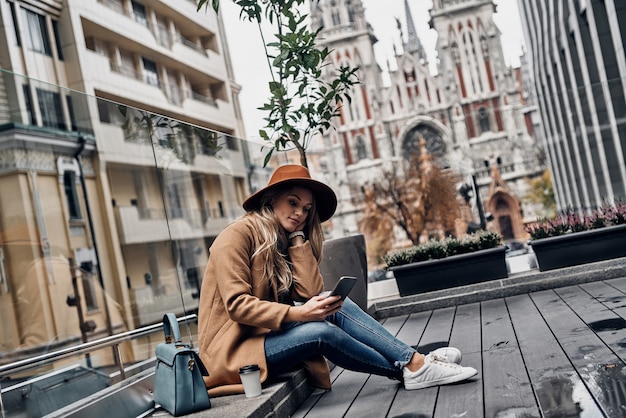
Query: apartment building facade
[{"x": 119, "y": 122}]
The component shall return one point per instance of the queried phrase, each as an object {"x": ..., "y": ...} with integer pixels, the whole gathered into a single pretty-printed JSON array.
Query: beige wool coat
[{"x": 238, "y": 308}]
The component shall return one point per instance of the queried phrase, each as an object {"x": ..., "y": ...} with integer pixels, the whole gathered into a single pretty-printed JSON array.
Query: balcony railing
[
  {"x": 204, "y": 99},
  {"x": 126, "y": 71},
  {"x": 115, "y": 5},
  {"x": 190, "y": 44}
]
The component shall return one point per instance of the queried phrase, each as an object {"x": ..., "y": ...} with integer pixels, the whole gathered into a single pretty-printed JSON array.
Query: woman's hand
[{"x": 315, "y": 309}]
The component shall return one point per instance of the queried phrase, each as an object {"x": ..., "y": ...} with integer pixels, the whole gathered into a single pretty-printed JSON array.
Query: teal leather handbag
[{"x": 178, "y": 384}]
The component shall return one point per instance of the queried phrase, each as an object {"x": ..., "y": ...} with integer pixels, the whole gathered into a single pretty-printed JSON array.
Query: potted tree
[
  {"x": 451, "y": 262},
  {"x": 304, "y": 98},
  {"x": 570, "y": 238}
]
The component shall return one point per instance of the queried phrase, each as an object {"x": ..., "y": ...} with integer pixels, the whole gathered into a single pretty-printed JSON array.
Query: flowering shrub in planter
[
  {"x": 570, "y": 221},
  {"x": 435, "y": 249},
  {"x": 571, "y": 239},
  {"x": 447, "y": 263}
]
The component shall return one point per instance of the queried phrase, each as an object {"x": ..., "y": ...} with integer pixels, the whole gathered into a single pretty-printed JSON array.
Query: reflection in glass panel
[{"x": 106, "y": 215}]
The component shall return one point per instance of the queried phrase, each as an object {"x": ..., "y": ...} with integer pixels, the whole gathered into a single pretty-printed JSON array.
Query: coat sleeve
[
  {"x": 308, "y": 281},
  {"x": 243, "y": 291}
]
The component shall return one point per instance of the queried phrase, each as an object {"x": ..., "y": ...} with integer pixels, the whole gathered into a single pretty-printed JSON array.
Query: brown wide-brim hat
[{"x": 297, "y": 175}]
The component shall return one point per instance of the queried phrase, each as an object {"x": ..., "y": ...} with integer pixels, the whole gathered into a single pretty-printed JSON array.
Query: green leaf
[{"x": 268, "y": 157}]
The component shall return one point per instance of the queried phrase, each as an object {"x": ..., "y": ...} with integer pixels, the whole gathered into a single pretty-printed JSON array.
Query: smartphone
[{"x": 343, "y": 286}]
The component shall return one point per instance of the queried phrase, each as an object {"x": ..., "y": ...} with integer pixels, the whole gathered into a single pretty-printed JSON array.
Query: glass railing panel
[{"x": 106, "y": 215}]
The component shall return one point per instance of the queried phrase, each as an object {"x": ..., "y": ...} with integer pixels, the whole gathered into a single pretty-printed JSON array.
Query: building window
[
  {"x": 361, "y": 151},
  {"x": 111, "y": 113},
  {"x": 28, "y": 103},
  {"x": 72, "y": 115},
  {"x": 208, "y": 142},
  {"x": 38, "y": 38},
  {"x": 18, "y": 40},
  {"x": 232, "y": 143},
  {"x": 89, "y": 291},
  {"x": 150, "y": 74},
  {"x": 483, "y": 120},
  {"x": 50, "y": 108},
  {"x": 57, "y": 39},
  {"x": 139, "y": 13},
  {"x": 69, "y": 184}
]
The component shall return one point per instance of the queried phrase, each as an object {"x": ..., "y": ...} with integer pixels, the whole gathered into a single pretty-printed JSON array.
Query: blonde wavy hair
[{"x": 273, "y": 240}]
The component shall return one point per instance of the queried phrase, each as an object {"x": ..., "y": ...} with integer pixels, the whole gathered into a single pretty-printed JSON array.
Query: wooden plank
[
  {"x": 559, "y": 390},
  {"x": 612, "y": 297},
  {"x": 395, "y": 323},
  {"x": 375, "y": 399},
  {"x": 594, "y": 304},
  {"x": 598, "y": 315},
  {"x": 585, "y": 305},
  {"x": 466, "y": 330},
  {"x": 415, "y": 402},
  {"x": 497, "y": 331},
  {"x": 378, "y": 393},
  {"x": 596, "y": 365},
  {"x": 619, "y": 283},
  {"x": 317, "y": 394},
  {"x": 337, "y": 402},
  {"x": 464, "y": 399},
  {"x": 414, "y": 327},
  {"x": 437, "y": 332},
  {"x": 507, "y": 389}
]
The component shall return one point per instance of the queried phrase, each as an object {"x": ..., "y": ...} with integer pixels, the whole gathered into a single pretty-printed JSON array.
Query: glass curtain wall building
[{"x": 578, "y": 66}]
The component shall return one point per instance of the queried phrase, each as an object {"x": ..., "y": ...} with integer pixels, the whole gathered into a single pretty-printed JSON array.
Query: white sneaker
[
  {"x": 435, "y": 372},
  {"x": 447, "y": 354}
]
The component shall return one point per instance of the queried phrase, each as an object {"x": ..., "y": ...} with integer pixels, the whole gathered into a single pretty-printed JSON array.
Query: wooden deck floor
[{"x": 553, "y": 353}]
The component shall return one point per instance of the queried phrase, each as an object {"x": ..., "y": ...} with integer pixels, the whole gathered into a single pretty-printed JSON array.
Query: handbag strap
[{"x": 170, "y": 326}]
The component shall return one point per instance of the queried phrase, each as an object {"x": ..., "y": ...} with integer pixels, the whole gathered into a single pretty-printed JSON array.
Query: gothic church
[{"x": 472, "y": 113}]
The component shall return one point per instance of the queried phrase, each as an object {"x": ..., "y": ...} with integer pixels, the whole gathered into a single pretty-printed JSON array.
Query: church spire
[{"x": 413, "y": 44}]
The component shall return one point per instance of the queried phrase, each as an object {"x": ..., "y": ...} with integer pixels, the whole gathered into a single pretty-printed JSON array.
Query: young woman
[{"x": 260, "y": 301}]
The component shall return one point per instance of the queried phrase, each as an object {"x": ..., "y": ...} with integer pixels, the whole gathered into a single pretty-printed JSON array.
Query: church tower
[
  {"x": 490, "y": 125},
  {"x": 359, "y": 135}
]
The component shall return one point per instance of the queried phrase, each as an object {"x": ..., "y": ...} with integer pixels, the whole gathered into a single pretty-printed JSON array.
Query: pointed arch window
[
  {"x": 483, "y": 119},
  {"x": 361, "y": 151},
  {"x": 335, "y": 14},
  {"x": 484, "y": 46},
  {"x": 456, "y": 54},
  {"x": 351, "y": 18}
]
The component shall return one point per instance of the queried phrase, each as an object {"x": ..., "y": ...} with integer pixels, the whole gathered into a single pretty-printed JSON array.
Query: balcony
[
  {"x": 152, "y": 225},
  {"x": 135, "y": 229},
  {"x": 149, "y": 308},
  {"x": 175, "y": 50}
]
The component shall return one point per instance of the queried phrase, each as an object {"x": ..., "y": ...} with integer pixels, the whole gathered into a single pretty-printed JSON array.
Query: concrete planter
[
  {"x": 453, "y": 271},
  {"x": 580, "y": 247}
]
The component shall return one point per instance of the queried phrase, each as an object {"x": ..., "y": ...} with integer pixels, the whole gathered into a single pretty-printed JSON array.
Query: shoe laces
[
  {"x": 438, "y": 358},
  {"x": 442, "y": 361}
]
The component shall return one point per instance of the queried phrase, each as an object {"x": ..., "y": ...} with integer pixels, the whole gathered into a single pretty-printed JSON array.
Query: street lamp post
[{"x": 479, "y": 204}]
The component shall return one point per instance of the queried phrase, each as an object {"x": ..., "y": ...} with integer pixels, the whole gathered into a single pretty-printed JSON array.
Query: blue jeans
[{"x": 349, "y": 338}]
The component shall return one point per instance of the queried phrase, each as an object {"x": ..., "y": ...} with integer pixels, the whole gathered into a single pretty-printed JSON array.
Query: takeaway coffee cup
[{"x": 251, "y": 378}]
